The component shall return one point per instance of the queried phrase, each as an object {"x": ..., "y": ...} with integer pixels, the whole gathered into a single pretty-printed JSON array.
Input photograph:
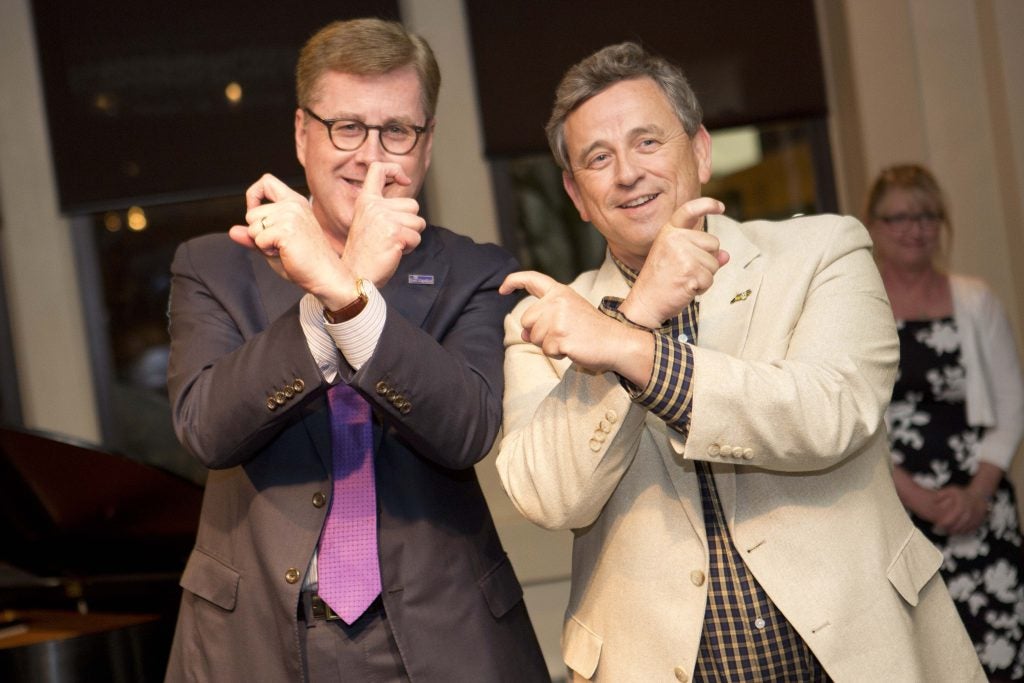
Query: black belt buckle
[{"x": 321, "y": 610}]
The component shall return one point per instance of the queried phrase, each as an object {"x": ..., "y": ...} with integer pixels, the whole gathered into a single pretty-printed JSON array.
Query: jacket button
[
  {"x": 600, "y": 436},
  {"x": 697, "y": 577},
  {"x": 605, "y": 426},
  {"x": 737, "y": 452},
  {"x": 288, "y": 391},
  {"x": 611, "y": 416},
  {"x": 382, "y": 388},
  {"x": 748, "y": 454},
  {"x": 292, "y": 575},
  {"x": 713, "y": 450},
  {"x": 680, "y": 674},
  {"x": 392, "y": 395},
  {"x": 319, "y": 499},
  {"x": 405, "y": 408},
  {"x": 279, "y": 398},
  {"x": 271, "y": 403},
  {"x": 595, "y": 445},
  {"x": 298, "y": 385}
]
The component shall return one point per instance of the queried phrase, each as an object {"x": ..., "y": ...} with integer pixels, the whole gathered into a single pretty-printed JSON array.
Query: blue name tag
[{"x": 421, "y": 279}]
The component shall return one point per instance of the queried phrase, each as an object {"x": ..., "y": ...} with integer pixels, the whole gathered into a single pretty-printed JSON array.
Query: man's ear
[
  {"x": 428, "y": 143},
  {"x": 569, "y": 183},
  {"x": 702, "y": 150},
  {"x": 300, "y": 136}
]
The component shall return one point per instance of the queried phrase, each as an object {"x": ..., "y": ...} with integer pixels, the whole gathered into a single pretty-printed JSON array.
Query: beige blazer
[{"x": 796, "y": 356}]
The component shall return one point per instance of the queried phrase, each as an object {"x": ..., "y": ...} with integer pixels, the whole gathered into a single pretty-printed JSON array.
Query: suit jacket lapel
[
  {"x": 417, "y": 282},
  {"x": 726, "y": 308},
  {"x": 724, "y": 324}
]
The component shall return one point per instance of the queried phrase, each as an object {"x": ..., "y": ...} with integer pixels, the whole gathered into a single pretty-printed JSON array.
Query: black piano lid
[{"x": 68, "y": 509}]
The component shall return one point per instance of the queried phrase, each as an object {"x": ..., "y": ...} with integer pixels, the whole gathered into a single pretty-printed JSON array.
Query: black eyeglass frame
[
  {"x": 927, "y": 220},
  {"x": 329, "y": 124}
]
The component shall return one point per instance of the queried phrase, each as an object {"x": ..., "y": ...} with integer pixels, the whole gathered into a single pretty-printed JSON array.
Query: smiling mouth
[
  {"x": 358, "y": 184},
  {"x": 639, "y": 201}
]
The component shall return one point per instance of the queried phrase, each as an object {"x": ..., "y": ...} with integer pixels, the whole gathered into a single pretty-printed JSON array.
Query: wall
[{"x": 47, "y": 325}]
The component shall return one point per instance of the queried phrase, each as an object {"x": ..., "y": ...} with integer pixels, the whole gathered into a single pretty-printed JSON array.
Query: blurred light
[
  {"x": 104, "y": 102},
  {"x": 112, "y": 221},
  {"x": 136, "y": 218},
  {"x": 734, "y": 149},
  {"x": 233, "y": 92}
]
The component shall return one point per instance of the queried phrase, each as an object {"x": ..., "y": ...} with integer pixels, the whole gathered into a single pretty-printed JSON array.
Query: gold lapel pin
[{"x": 742, "y": 296}]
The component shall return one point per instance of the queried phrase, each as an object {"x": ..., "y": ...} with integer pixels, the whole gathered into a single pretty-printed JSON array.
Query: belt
[{"x": 313, "y": 608}]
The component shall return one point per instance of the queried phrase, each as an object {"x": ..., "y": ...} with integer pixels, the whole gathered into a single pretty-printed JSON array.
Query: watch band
[{"x": 350, "y": 310}]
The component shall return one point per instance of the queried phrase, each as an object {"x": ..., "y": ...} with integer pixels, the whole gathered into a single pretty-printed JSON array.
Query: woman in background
[{"x": 957, "y": 413}]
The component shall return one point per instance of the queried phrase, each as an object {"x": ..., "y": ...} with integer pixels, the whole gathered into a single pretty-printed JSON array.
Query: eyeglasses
[
  {"x": 903, "y": 222},
  {"x": 347, "y": 135}
]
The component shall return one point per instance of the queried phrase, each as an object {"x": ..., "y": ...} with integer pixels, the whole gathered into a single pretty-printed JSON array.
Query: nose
[
  {"x": 371, "y": 149},
  {"x": 627, "y": 171}
]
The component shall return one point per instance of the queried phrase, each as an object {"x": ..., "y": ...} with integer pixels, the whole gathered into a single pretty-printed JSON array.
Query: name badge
[{"x": 421, "y": 279}]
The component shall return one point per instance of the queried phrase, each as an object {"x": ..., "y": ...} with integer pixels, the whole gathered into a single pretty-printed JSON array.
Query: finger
[
  {"x": 240, "y": 234},
  {"x": 689, "y": 214},
  {"x": 377, "y": 178},
  {"x": 269, "y": 188},
  {"x": 410, "y": 239},
  {"x": 533, "y": 282}
]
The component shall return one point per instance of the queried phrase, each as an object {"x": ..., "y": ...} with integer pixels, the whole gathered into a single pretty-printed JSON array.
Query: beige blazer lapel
[
  {"x": 726, "y": 308},
  {"x": 724, "y": 325}
]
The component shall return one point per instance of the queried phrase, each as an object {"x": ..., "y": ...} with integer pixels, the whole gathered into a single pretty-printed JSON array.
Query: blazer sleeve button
[
  {"x": 298, "y": 385},
  {"x": 595, "y": 445},
  {"x": 271, "y": 403},
  {"x": 713, "y": 450},
  {"x": 382, "y": 388}
]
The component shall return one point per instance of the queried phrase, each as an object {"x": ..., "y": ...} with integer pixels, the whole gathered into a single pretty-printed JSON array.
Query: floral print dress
[{"x": 930, "y": 439}]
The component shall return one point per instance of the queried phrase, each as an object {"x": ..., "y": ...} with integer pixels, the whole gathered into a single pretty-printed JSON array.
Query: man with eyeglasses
[{"x": 337, "y": 364}]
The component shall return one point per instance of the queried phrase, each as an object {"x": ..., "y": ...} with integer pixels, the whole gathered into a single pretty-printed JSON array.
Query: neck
[{"x": 917, "y": 294}]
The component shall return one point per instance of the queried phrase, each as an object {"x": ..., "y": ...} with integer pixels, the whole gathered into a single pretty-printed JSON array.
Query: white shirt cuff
[{"x": 356, "y": 339}]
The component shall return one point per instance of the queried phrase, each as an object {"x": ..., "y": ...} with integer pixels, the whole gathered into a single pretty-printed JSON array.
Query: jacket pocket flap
[
  {"x": 914, "y": 566},
  {"x": 581, "y": 648},
  {"x": 501, "y": 588},
  {"x": 210, "y": 579}
]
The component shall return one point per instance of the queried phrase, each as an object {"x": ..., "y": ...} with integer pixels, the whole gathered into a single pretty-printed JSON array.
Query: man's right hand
[
  {"x": 681, "y": 264},
  {"x": 383, "y": 228}
]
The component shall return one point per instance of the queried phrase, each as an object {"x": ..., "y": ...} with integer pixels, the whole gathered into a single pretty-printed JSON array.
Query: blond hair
[{"x": 366, "y": 47}]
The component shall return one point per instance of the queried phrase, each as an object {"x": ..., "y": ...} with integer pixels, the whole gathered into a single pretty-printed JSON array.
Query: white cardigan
[{"x": 995, "y": 387}]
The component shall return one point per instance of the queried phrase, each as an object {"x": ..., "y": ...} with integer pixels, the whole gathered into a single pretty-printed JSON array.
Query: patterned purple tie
[{"x": 347, "y": 565}]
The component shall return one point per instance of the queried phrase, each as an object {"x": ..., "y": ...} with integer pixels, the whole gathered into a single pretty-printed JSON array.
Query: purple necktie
[{"x": 347, "y": 565}]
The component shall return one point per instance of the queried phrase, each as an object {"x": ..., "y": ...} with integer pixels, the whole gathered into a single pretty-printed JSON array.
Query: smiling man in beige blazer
[{"x": 705, "y": 413}]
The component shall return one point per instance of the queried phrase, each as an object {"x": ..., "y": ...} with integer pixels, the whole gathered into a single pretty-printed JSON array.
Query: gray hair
[{"x": 605, "y": 68}]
